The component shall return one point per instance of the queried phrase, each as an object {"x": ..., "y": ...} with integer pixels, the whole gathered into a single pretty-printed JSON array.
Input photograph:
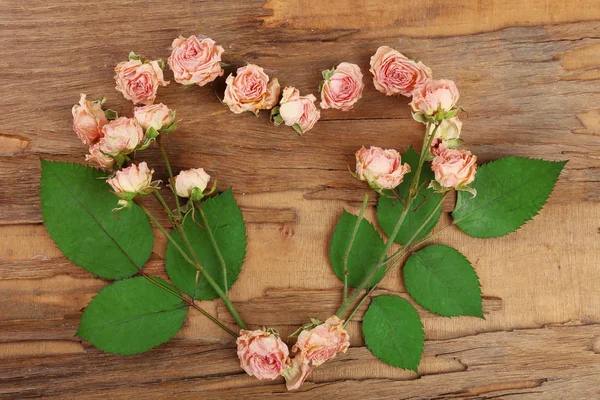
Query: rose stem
[
  {"x": 209, "y": 279},
  {"x": 411, "y": 196},
  {"x": 192, "y": 304},
  {"x": 407, "y": 248},
  {"x": 351, "y": 242},
  {"x": 184, "y": 237}
]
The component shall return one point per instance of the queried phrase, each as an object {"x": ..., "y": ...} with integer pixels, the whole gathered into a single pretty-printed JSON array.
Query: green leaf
[
  {"x": 133, "y": 56},
  {"x": 297, "y": 128},
  {"x": 389, "y": 208},
  {"x": 393, "y": 332},
  {"x": 443, "y": 281},
  {"x": 328, "y": 73},
  {"x": 111, "y": 114},
  {"x": 168, "y": 129},
  {"x": 277, "y": 120},
  {"x": 132, "y": 316},
  {"x": 365, "y": 251},
  {"x": 510, "y": 192},
  {"x": 76, "y": 207},
  {"x": 224, "y": 219},
  {"x": 451, "y": 113},
  {"x": 420, "y": 117}
]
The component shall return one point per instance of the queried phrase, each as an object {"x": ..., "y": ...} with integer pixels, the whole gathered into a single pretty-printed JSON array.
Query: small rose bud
[
  {"x": 296, "y": 373},
  {"x": 133, "y": 180},
  {"x": 195, "y": 61},
  {"x": 394, "y": 73},
  {"x": 447, "y": 134},
  {"x": 262, "y": 353},
  {"x": 99, "y": 155},
  {"x": 435, "y": 96},
  {"x": 139, "y": 81},
  {"x": 453, "y": 168},
  {"x": 122, "y": 136},
  {"x": 157, "y": 116},
  {"x": 342, "y": 87},
  {"x": 382, "y": 169},
  {"x": 251, "y": 90},
  {"x": 88, "y": 120},
  {"x": 298, "y": 110},
  {"x": 191, "y": 183},
  {"x": 322, "y": 343}
]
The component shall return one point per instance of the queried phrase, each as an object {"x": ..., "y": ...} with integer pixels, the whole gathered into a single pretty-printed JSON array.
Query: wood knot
[{"x": 287, "y": 231}]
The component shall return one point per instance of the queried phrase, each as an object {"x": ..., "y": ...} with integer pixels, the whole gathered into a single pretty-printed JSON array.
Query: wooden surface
[{"x": 529, "y": 76}]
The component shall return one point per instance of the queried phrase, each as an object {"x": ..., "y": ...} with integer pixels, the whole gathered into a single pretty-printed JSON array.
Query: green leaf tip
[
  {"x": 393, "y": 332},
  {"x": 132, "y": 316},
  {"x": 510, "y": 192},
  {"x": 364, "y": 253},
  {"x": 452, "y": 288},
  {"x": 225, "y": 221}
]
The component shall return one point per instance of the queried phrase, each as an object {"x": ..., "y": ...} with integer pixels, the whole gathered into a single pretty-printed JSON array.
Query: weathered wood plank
[
  {"x": 529, "y": 76},
  {"x": 294, "y": 310},
  {"x": 533, "y": 363},
  {"x": 535, "y": 98}
]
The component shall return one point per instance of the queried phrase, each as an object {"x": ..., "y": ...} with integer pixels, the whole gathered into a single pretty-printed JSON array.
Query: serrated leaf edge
[
  {"x": 482, "y": 316},
  {"x": 459, "y": 196},
  {"x": 125, "y": 353},
  {"x": 422, "y": 330},
  {"x": 111, "y": 278}
]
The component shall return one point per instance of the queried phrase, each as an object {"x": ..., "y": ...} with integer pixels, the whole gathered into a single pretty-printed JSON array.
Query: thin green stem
[
  {"x": 162, "y": 201},
  {"x": 213, "y": 319},
  {"x": 168, "y": 236},
  {"x": 407, "y": 249},
  {"x": 411, "y": 196},
  {"x": 190, "y": 303},
  {"x": 426, "y": 145},
  {"x": 198, "y": 266},
  {"x": 171, "y": 178},
  {"x": 226, "y": 300},
  {"x": 216, "y": 321},
  {"x": 346, "y": 304},
  {"x": 215, "y": 246},
  {"x": 351, "y": 242}
]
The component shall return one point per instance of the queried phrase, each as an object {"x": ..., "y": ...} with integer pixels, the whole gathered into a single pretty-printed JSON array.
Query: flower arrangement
[{"x": 107, "y": 230}]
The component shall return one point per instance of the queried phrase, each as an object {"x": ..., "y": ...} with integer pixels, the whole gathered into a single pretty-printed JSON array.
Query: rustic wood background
[{"x": 529, "y": 76}]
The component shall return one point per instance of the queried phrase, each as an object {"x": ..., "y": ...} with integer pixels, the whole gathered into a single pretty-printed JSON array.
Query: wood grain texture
[{"x": 529, "y": 77}]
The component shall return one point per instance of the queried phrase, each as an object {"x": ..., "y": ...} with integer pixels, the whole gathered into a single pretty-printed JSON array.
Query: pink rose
[
  {"x": 262, "y": 353},
  {"x": 453, "y": 168},
  {"x": 296, "y": 373},
  {"x": 98, "y": 155},
  {"x": 157, "y": 116},
  {"x": 88, "y": 120},
  {"x": 139, "y": 81},
  {"x": 298, "y": 110},
  {"x": 195, "y": 61},
  {"x": 251, "y": 90},
  {"x": 132, "y": 180},
  {"x": 394, "y": 73},
  {"x": 434, "y": 96},
  {"x": 382, "y": 169},
  {"x": 191, "y": 183},
  {"x": 322, "y": 343},
  {"x": 342, "y": 87},
  {"x": 121, "y": 136}
]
